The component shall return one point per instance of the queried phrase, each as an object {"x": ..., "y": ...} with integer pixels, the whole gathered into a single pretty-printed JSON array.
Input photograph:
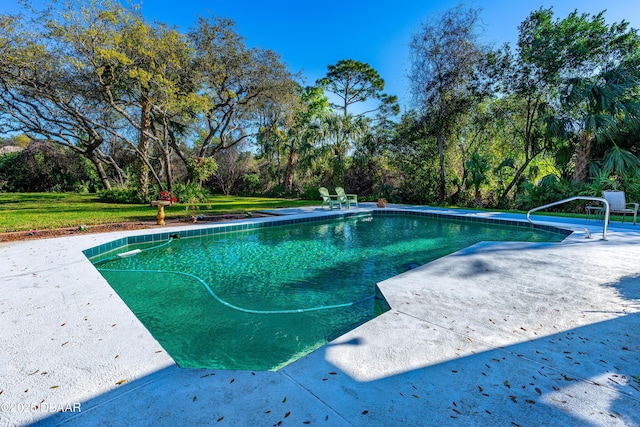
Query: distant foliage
[
  {"x": 7, "y": 165},
  {"x": 45, "y": 167}
]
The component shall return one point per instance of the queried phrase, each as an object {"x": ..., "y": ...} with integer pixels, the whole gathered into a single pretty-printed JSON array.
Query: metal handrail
[{"x": 571, "y": 199}]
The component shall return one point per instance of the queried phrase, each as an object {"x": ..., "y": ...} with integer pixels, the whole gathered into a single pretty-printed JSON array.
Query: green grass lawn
[{"x": 39, "y": 211}]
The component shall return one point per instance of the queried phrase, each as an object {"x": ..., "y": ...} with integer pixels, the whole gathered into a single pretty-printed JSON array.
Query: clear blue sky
[{"x": 312, "y": 35}]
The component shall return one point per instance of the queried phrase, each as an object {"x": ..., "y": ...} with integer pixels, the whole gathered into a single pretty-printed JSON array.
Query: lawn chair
[
  {"x": 619, "y": 205},
  {"x": 329, "y": 199},
  {"x": 347, "y": 199}
]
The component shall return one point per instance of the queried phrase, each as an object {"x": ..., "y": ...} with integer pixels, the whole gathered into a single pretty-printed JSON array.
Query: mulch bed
[{"x": 121, "y": 226}]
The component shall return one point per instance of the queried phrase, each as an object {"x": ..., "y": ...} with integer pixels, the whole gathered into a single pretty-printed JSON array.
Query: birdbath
[{"x": 161, "y": 204}]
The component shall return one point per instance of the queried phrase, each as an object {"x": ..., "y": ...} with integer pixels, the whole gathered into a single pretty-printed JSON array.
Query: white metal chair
[{"x": 619, "y": 205}]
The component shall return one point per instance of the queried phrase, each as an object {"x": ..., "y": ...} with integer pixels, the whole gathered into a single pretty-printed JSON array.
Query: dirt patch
[{"x": 122, "y": 226}]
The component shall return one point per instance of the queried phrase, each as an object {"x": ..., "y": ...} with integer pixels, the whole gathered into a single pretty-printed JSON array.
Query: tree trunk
[
  {"x": 441, "y": 184},
  {"x": 583, "y": 154},
  {"x": 178, "y": 150},
  {"x": 477, "y": 197},
  {"x": 143, "y": 148},
  {"x": 288, "y": 177},
  {"x": 516, "y": 178},
  {"x": 168, "y": 171},
  {"x": 120, "y": 175},
  {"x": 100, "y": 170}
]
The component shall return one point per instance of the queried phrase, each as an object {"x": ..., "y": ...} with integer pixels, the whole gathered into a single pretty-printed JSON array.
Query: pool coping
[{"x": 70, "y": 341}]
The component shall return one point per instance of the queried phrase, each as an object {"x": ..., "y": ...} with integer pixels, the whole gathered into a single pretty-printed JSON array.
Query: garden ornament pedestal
[{"x": 161, "y": 204}]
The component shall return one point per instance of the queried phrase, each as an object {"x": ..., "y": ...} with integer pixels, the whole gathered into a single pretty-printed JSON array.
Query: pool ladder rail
[{"x": 571, "y": 199}]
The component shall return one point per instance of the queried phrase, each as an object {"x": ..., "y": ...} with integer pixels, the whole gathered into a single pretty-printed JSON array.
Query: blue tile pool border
[{"x": 246, "y": 226}]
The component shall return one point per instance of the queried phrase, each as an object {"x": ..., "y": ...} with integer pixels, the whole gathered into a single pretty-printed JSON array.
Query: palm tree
[
  {"x": 339, "y": 132},
  {"x": 596, "y": 108},
  {"x": 477, "y": 167}
]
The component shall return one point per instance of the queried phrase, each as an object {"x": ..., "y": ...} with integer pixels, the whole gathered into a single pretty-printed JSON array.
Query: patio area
[{"x": 500, "y": 333}]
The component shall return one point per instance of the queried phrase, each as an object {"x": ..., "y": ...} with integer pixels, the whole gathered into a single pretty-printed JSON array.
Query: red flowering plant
[{"x": 168, "y": 196}]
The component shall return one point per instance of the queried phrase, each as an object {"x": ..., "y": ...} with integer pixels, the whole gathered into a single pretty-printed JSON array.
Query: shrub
[
  {"x": 8, "y": 165},
  {"x": 251, "y": 183},
  {"x": 390, "y": 193},
  {"x": 310, "y": 192},
  {"x": 189, "y": 193},
  {"x": 45, "y": 167},
  {"x": 121, "y": 195},
  {"x": 553, "y": 189}
]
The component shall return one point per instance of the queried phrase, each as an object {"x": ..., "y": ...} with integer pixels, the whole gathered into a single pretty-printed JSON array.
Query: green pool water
[{"x": 262, "y": 298}]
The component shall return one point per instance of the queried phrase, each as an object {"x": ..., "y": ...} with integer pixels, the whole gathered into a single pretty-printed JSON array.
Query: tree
[
  {"x": 338, "y": 134},
  {"x": 291, "y": 131},
  {"x": 144, "y": 77},
  {"x": 234, "y": 82},
  {"x": 596, "y": 108},
  {"x": 549, "y": 53},
  {"x": 45, "y": 93},
  {"x": 445, "y": 57},
  {"x": 82, "y": 74},
  {"x": 477, "y": 167},
  {"x": 415, "y": 154},
  {"x": 232, "y": 166},
  {"x": 370, "y": 172},
  {"x": 353, "y": 82}
]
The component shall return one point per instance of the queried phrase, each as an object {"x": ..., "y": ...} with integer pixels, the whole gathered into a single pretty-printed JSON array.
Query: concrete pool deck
[{"x": 500, "y": 333}]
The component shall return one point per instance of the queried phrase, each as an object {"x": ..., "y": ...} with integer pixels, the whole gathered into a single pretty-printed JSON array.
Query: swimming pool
[{"x": 260, "y": 298}]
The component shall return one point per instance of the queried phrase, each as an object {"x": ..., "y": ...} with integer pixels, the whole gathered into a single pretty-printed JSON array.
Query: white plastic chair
[{"x": 619, "y": 205}]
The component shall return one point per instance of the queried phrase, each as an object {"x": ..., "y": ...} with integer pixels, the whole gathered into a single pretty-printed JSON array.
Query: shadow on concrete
[{"x": 583, "y": 376}]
